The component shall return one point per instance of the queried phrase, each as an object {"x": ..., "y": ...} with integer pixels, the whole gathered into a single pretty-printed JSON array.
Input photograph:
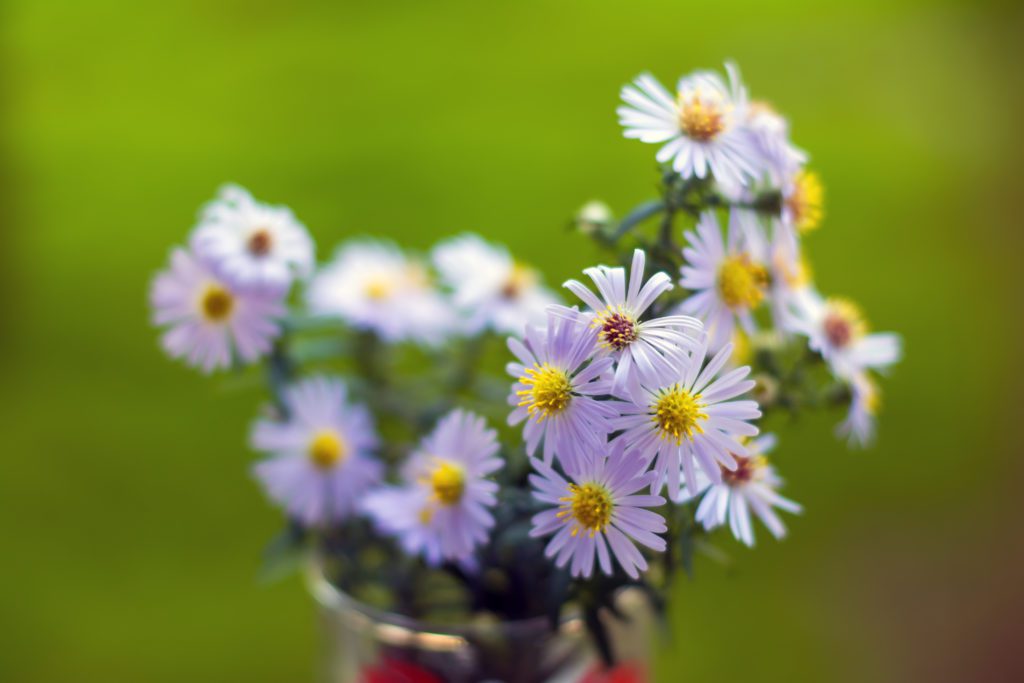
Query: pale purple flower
[
  {"x": 790, "y": 275},
  {"x": 859, "y": 426},
  {"x": 751, "y": 487},
  {"x": 443, "y": 509},
  {"x": 836, "y": 329},
  {"x": 322, "y": 459},
  {"x": 729, "y": 280},
  {"x": 559, "y": 379},
  {"x": 598, "y": 509},
  {"x": 208, "y": 321},
  {"x": 489, "y": 288},
  {"x": 641, "y": 349},
  {"x": 253, "y": 245},
  {"x": 770, "y": 133},
  {"x": 703, "y": 126},
  {"x": 688, "y": 416}
]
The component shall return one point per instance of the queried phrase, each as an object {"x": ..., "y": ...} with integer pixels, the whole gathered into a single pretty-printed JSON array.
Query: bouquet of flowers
[{"x": 625, "y": 434}]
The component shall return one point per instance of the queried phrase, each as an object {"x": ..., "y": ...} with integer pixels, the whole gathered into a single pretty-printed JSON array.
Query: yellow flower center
[
  {"x": 741, "y": 282},
  {"x": 843, "y": 322},
  {"x": 589, "y": 506},
  {"x": 746, "y": 469},
  {"x": 618, "y": 329},
  {"x": 806, "y": 203},
  {"x": 327, "y": 449},
  {"x": 448, "y": 481},
  {"x": 217, "y": 303},
  {"x": 378, "y": 289},
  {"x": 699, "y": 119},
  {"x": 548, "y": 391},
  {"x": 678, "y": 414},
  {"x": 260, "y": 242},
  {"x": 519, "y": 280}
]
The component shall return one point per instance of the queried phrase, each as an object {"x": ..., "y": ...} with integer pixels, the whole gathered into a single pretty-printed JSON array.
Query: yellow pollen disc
[
  {"x": 326, "y": 449},
  {"x": 741, "y": 282},
  {"x": 807, "y": 201},
  {"x": 448, "y": 481},
  {"x": 678, "y": 414},
  {"x": 618, "y": 328},
  {"x": 746, "y": 470},
  {"x": 520, "y": 279},
  {"x": 699, "y": 119},
  {"x": 217, "y": 303},
  {"x": 589, "y": 505},
  {"x": 260, "y": 242},
  {"x": 843, "y": 322},
  {"x": 378, "y": 289},
  {"x": 548, "y": 391}
]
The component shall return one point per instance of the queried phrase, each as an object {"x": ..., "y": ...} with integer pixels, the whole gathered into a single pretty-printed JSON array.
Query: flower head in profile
[
  {"x": 641, "y": 348},
  {"x": 729, "y": 279},
  {"x": 770, "y": 133},
  {"x": 701, "y": 129},
  {"x": 598, "y": 513},
  {"x": 836, "y": 329},
  {"x": 252, "y": 245},
  {"x": 751, "y": 487},
  {"x": 688, "y": 416},
  {"x": 209, "y": 322},
  {"x": 803, "y": 201},
  {"x": 789, "y": 274},
  {"x": 321, "y": 452},
  {"x": 374, "y": 286},
  {"x": 442, "y": 511},
  {"x": 557, "y": 382},
  {"x": 489, "y": 287},
  {"x": 865, "y": 399}
]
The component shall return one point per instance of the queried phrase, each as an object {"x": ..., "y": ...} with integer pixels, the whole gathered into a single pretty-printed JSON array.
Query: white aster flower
[
  {"x": 770, "y": 133},
  {"x": 859, "y": 426},
  {"x": 688, "y": 416},
  {"x": 443, "y": 509},
  {"x": 253, "y": 245},
  {"x": 703, "y": 126},
  {"x": 641, "y": 349},
  {"x": 790, "y": 275},
  {"x": 729, "y": 280},
  {"x": 374, "y": 286},
  {"x": 209, "y": 322},
  {"x": 803, "y": 201},
  {"x": 322, "y": 460},
  {"x": 751, "y": 487},
  {"x": 836, "y": 329},
  {"x": 489, "y": 287}
]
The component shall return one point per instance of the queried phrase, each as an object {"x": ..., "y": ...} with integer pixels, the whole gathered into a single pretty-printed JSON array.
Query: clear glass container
[{"x": 362, "y": 644}]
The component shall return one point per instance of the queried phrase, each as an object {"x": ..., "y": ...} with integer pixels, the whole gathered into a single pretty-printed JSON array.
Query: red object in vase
[
  {"x": 627, "y": 672},
  {"x": 396, "y": 671}
]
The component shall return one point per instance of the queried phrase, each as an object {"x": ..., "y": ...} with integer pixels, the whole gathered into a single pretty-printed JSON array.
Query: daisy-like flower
[
  {"x": 322, "y": 460},
  {"x": 443, "y": 511},
  {"x": 597, "y": 509},
  {"x": 770, "y": 132},
  {"x": 729, "y": 279},
  {"x": 253, "y": 245},
  {"x": 790, "y": 274},
  {"x": 837, "y": 330},
  {"x": 641, "y": 349},
  {"x": 751, "y": 487},
  {"x": 558, "y": 380},
  {"x": 803, "y": 201},
  {"x": 688, "y": 416},
  {"x": 859, "y": 426},
  {"x": 374, "y": 286},
  {"x": 490, "y": 288},
  {"x": 210, "y": 322},
  {"x": 703, "y": 126}
]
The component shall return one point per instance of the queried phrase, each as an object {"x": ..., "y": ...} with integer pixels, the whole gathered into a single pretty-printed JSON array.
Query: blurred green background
[{"x": 131, "y": 531}]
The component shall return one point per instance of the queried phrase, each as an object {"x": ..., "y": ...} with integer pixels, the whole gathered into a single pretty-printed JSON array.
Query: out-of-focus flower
[
  {"x": 703, "y": 126},
  {"x": 751, "y": 487},
  {"x": 865, "y": 398},
  {"x": 642, "y": 349},
  {"x": 208, "y": 321},
  {"x": 558, "y": 379},
  {"x": 597, "y": 509},
  {"x": 322, "y": 460},
  {"x": 489, "y": 287},
  {"x": 593, "y": 217},
  {"x": 790, "y": 274},
  {"x": 729, "y": 280},
  {"x": 770, "y": 132},
  {"x": 252, "y": 245},
  {"x": 803, "y": 201},
  {"x": 443, "y": 509},
  {"x": 687, "y": 416},
  {"x": 836, "y": 329},
  {"x": 374, "y": 286},
  {"x": 396, "y": 671}
]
